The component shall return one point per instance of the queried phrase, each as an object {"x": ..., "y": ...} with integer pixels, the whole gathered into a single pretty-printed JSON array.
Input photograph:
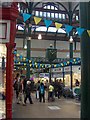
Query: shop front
[{"x": 76, "y": 75}]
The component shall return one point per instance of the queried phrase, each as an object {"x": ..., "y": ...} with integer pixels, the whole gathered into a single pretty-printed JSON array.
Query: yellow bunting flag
[
  {"x": 58, "y": 25},
  {"x": 88, "y": 31},
  {"x": 37, "y": 20}
]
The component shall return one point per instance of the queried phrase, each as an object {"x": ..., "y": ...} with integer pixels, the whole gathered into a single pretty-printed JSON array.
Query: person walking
[
  {"x": 51, "y": 93},
  {"x": 28, "y": 93},
  {"x": 17, "y": 87},
  {"x": 41, "y": 92}
]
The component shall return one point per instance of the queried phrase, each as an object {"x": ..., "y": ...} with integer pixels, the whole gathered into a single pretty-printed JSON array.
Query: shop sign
[
  {"x": 54, "y": 70},
  {"x": 57, "y": 75},
  {"x": 42, "y": 75},
  {"x": 67, "y": 69},
  {"x": 76, "y": 69}
]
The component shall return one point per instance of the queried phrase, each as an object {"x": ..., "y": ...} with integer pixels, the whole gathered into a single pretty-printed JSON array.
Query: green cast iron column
[
  {"x": 71, "y": 43},
  {"x": 85, "y": 61},
  {"x": 28, "y": 57},
  {"x": 50, "y": 73},
  {"x": 63, "y": 75},
  {"x": 30, "y": 9},
  {"x": 70, "y": 23}
]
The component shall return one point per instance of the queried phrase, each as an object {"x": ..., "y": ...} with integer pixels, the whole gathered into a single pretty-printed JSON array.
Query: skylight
[
  {"x": 50, "y": 29},
  {"x": 41, "y": 28},
  {"x": 20, "y": 28},
  {"x": 61, "y": 31}
]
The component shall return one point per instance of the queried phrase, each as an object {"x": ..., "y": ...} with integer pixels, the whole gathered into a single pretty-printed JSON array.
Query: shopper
[
  {"x": 51, "y": 93},
  {"x": 37, "y": 89},
  {"x": 59, "y": 89},
  {"x": 17, "y": 87},
  {"x": 42, "y": 92},
  {"x": 28, "y": 93},
  {"x": 77, "y": 83}
]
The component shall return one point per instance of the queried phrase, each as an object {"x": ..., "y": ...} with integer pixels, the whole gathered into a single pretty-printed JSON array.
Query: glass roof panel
[
  {"x": 41, "y": 28},
  {"x": 52, "y": 29},
  {"x": 61, "y": 31}
]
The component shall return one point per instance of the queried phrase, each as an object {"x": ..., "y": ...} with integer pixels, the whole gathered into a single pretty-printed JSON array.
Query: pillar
[
  {"x": 50, "y": 74},
  {"x": 71, "y": 43},
  {"x": 71, "y": 75},
  {"x": 71, "y": 50},
  {"x": 28, "y": 57},
  {"x": 9, "y": 90},
  {"x": 9, "y": 13},
  {"x": 70, "y": 22},
  {"x": 85, "y": 60},
  {"x": 63, "y": 74}
]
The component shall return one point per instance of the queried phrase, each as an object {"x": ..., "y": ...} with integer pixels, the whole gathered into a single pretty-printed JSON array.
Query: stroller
[
  {"x": 67, "y": 93},
  {"x": 77, "y": 93}
]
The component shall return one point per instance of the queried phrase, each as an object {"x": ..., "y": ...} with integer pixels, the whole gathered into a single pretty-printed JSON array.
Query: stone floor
[
  {"x": 2, "y": 109},
  {"x": 61, "y": 108}
]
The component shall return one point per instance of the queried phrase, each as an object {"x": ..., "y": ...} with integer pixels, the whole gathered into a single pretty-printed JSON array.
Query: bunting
[
  {"x": 88, "y": 31},
  {"x": 34, "y": 64},
  {"x": 47, "y": 22},
  {"x": 37, "y": 20},
  {"x": 26, "y": 16},
  {"x": 68, "y": 28},
  {"x": 80, "y": 31},
  {"x": 58, "y": 25}
]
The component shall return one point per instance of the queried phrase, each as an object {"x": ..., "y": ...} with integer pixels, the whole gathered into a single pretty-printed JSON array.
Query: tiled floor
[
  {"x": 61, "y": 108},
  {"x": 2, "y": 109}
]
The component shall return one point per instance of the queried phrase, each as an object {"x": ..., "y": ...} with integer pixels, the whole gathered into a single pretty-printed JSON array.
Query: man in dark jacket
[{"x": 28, "y": 93}]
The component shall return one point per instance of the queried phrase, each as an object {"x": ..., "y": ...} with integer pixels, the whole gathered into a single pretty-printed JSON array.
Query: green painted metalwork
[{"x": 85, "y": 61}]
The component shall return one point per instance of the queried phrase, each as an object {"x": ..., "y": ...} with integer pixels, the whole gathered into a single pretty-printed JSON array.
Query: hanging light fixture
[
  {"x": 39, "y": 37},
  {"x": 71, "y": 39},
  {"x": 25, "y": 47}
]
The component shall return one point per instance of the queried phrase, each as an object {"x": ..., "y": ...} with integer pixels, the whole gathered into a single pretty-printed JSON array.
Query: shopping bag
[{"x": 37, "y": 94}]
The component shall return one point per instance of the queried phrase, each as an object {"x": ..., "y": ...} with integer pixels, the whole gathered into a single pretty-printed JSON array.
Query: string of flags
[
  {"x": 22, "y": 61},
  {"x": 68, "y": 28}
]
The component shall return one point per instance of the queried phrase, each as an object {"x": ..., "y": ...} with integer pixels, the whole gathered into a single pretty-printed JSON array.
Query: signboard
[
  {"x": 43, "y": 75},
  {"x": 57, "y": 75},
  {"x": 67, "y": 69},
  {"x": 4, "y": 31},
  {"x": 57, "y": 70},
  {"x": 76, "y": 69}
]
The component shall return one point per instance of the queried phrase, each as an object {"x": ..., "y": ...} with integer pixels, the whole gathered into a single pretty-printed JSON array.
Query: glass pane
[
  {"x": 19, "y": 7},
  {"x": 76, "y": 17},
  {"x": 41, "y": 29},
  {"x": 48, "y": 14},
  {"x": 52, "y": 15},
  {"x": 44, "y": 14},
  {"x": 52, "y": 7},
  {"x": 44, "y": 7},
  {"x": 60, "y": 16},
  {"x": 40, "y": 13},
  {"x": 66, "y": 16},
  {"x": 20, "y": 27},
  {"x": 37, "y": 13},
  {"x": 52, "y": 29},
  {"x": 56, "y": 8},
  {"x": 48, "y": 7},
  {"x": 56, "y": 15},
  {"x": 73, "y": 15},
  {"x": 63, "y": 16},
  {"x": 61, "y": 31},
  {"x": 25, "y": 11}
]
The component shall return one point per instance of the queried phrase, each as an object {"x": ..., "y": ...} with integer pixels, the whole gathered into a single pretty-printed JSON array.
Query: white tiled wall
[{"x": 44, "y": 44}]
